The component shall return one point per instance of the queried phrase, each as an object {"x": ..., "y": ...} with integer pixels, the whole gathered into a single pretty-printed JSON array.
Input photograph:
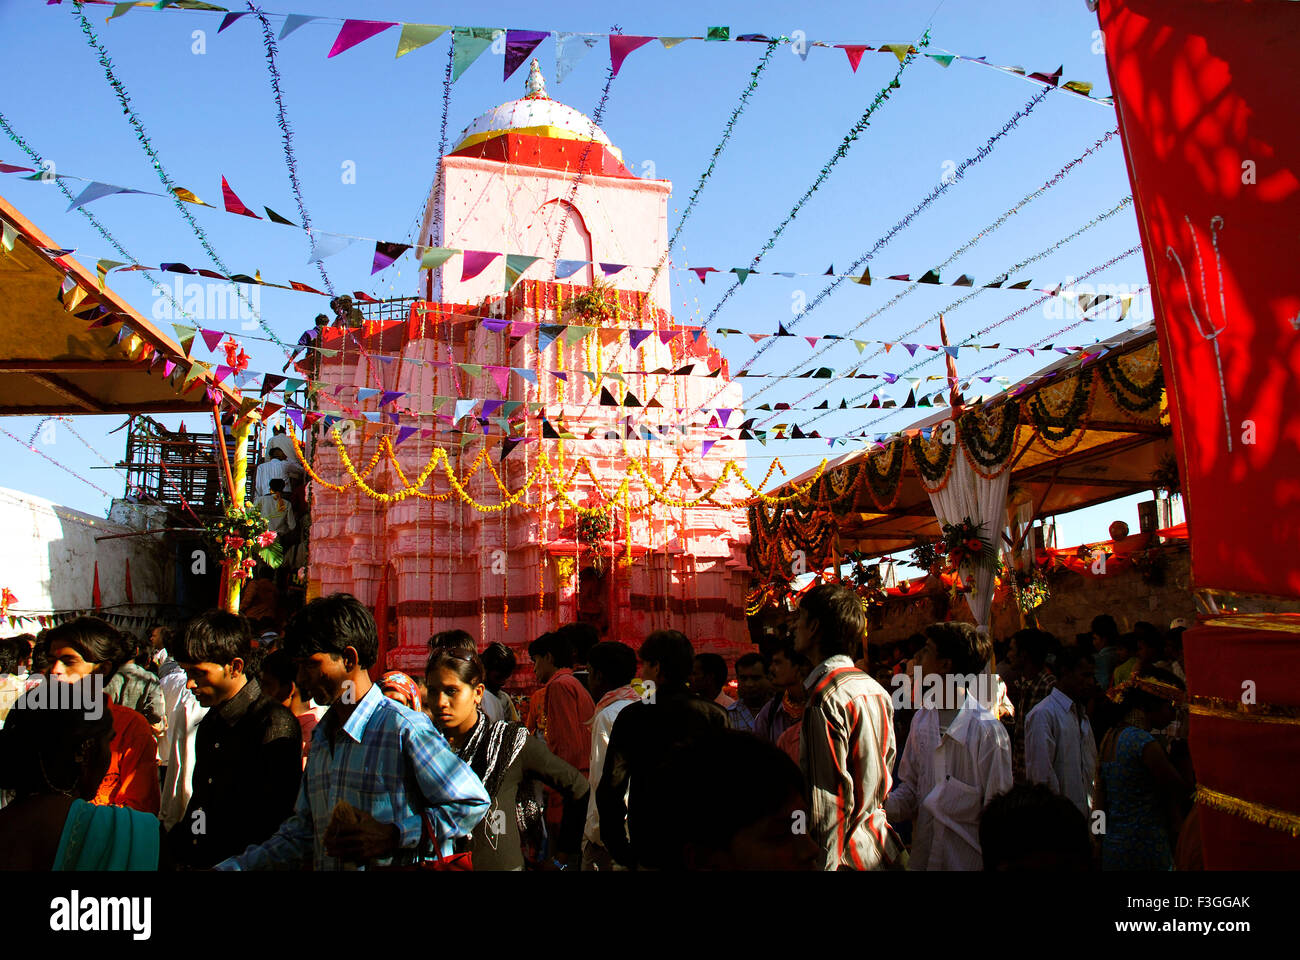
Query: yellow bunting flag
[
  {"x": 416, "y": 35},
  {"x": 189, "y": 196}
]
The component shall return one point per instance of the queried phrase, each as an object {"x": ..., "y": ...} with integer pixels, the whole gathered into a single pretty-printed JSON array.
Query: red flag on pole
[{"x": 96, "y": 600}]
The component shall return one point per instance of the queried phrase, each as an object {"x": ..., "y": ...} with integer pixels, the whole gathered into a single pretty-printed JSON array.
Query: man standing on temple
[{"x": 846, "y": 746}]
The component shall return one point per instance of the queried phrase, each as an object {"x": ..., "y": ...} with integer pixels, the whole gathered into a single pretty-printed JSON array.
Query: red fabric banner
[
  {"x": 1238, "y": 663},
  {"x": 1205, "y": 95}
]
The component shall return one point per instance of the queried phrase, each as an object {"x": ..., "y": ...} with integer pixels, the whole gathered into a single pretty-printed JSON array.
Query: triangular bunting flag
[
  {"x": 432, "y": 257},
  {"x": 356, "y": 31},
  {"x": 292, "y": 22},
  {"x": 416, "y": 35},
  {"x": 233, "y": 203},
  {"x": 475, "y": 262},
  {"x": 854, "y": 54},
  {"x": 516, "y": 265},
  {"x": 569, "y": 49},
  {"x": 386, "y": 253},
  {"x": 620, "y": 47},
  {"x": 519, "y": 44},
  {"x": 469, "y": 44}
]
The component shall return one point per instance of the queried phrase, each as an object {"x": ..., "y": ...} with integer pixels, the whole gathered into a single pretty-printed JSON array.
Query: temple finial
[{"x": 536, "y": 85}]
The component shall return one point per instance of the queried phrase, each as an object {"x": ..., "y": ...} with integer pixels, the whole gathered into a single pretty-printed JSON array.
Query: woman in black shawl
[{"x": 504, "y": 757}]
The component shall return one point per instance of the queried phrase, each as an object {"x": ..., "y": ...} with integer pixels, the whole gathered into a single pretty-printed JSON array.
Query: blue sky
[{"x": 212, "y": 114}]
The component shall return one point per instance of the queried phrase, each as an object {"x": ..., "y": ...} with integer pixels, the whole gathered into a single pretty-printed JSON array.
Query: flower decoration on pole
[
  {"x": 7, "y": 599},
  {"x": 242, "y": 538},
  {"x": 926, "y": 556}
]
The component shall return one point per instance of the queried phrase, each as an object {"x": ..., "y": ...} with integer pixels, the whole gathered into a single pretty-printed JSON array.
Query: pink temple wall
[{"x": 505, "y": 575}]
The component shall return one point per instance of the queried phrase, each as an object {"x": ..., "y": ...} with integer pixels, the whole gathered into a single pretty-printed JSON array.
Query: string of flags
[
  {"x": 473, "y": 262},
  {"x": 517, "y": 45}
]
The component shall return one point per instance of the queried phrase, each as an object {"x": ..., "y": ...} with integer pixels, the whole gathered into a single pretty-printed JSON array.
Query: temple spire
[{"x": 535, "y": 87}]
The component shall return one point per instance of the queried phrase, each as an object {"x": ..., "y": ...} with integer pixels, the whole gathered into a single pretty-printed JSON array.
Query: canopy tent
[
  {"x": 1084, "y": 430},
  {"x": 69, "y": 347}
]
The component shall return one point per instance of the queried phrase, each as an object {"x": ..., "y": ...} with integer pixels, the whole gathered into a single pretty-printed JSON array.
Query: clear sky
[{"x": 211, "y": 114}]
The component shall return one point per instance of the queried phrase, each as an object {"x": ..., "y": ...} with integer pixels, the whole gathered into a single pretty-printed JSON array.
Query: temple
[{"x": 587, "y": 470}]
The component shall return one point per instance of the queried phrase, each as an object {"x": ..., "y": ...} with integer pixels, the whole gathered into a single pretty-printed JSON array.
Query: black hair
[
  {"x": 462, "y": 661},
  {"x": 1035, "y": 645},
  {"x": 13, "y": 651},
  {"x": 277, "y": 485},
  {"x": 840, "y": 621},
  {"x": 614, "y": 661},
  {"x": 736, "y": 779},
  {"x": 960, "y": 644},
  {"x": 713, "y": 667},
  {"x": 41, "y": 654},
  {"x": 1103, "y": 625},
  {"x": 94, "y": 639},
  {"x": 673, "y": 653},
  {"x": 557, "y": 645},
  {"x": 498, "y": 661},
  {"x": 581, "y": 637},
  {"x": 748, "y": 660},
  {"x": 217, "y": 636},
  {"x": 1128, "y": 641},
  {"x": 787, "y": 650},
  {"x": 1032, "y": 828},
  {"x": 39, "y": 741},
  {"x": 1068, "y": 658},
  {"x": 331, "y": 625},
  {"x": 451, "y": 638},
  {"x": 914, "y": 644},
  {"x": 280, "y": 665}
]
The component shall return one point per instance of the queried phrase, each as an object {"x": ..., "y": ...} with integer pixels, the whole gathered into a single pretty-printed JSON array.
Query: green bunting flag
[
  {"x": 516, "y": 264},
  {"x": 469, "y": 44}
]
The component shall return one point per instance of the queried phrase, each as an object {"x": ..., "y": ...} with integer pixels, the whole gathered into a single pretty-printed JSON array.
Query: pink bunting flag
[
  {"x": 356, "y": 31},
  {"x": 168, "y": 367},
  {"x": 502, "y": 377},
  {"x": 854, "y": 54},
  {"x": 212, "y": 338},
  {"x": 699, "y": 271},
  {"x": 233, "y": 203},
  {"x": 475, "y": 262},
  {"x": 620, "y": 47},
  {"x": 222, "y": 372}
]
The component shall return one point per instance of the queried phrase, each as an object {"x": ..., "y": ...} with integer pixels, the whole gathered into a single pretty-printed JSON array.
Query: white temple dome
[{"x": 536, "y": 115}]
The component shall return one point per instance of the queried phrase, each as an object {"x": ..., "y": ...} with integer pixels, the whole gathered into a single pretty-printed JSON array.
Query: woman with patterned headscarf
[
  {"x": 505, "y": 757},
  {"x": 400, "y": 688}
]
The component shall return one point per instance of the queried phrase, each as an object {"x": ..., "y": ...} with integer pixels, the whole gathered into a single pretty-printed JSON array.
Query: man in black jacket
[
  {"x": 248, "y": 748},
  {"x": 643, "y": 738}
]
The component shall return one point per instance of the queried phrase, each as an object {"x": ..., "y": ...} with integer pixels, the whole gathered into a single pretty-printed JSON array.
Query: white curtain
[{"x": 984, "y": 501}]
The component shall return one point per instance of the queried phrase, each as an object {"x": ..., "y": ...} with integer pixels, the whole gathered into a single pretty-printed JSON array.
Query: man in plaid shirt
[
  {"x": 846, "y": 744},
  {"x": 375, "y": 767}
]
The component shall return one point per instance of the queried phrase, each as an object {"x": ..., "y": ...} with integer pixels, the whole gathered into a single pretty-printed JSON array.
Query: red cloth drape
[
  {"x": 1206, "y": 100},
  {"x": 1254, "y": 761}
]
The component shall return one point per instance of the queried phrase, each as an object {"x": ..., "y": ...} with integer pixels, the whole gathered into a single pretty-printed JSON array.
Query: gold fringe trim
[
  {"x": 1265, "y": 816},
  {"x": 1251, "y": 712}
]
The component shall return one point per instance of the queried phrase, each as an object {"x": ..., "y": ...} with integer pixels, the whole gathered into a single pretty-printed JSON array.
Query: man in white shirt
[
  {"x": 276, "y": 466},
  {"x": 957, "y": 757},
  {"x": 1060, "y": 748},
  {"x": 183, "y": 716},
  {"x": 611, "y": 671}
]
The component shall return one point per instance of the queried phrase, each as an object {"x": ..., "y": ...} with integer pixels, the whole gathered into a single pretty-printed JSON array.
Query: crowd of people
[{"x": 208, "y": 748}]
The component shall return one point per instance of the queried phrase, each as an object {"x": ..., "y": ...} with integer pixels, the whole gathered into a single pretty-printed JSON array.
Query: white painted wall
[{"x": 49, "y": 556}]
